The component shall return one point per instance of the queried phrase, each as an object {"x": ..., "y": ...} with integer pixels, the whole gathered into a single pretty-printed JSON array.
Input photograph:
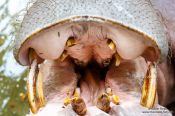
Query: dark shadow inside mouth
[{"x": 95, "y": 69}]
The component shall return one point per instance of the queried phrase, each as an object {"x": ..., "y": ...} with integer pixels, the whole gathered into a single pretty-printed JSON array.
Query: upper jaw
[{"x": 119, "y": 34}]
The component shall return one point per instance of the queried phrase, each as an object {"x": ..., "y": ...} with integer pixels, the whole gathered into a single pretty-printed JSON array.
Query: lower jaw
[
  {"x": 92, "y": 84},
  {"x": 128, "y": 108}
]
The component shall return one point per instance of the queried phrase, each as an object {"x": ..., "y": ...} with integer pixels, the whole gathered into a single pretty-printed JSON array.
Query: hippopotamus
[{"x": 99, "y": 57}]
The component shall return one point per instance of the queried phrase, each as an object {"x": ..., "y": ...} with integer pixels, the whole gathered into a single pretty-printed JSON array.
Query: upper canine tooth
[
  {"x": 149, "y": 88},
  {"x": 111, "y": 44},
  {"x": 63, "y": 56},
  {"x": 70, "y": 42},
  {"x": 117, "y": 60}
]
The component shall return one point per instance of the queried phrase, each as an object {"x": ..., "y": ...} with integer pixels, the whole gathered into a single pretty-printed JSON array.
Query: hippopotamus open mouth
[{"x": 94, "y": 57}]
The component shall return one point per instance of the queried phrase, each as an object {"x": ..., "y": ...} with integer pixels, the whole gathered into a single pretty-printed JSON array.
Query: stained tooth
[
  {"x": 67, "y": 101},
  {"x": 31, "y": 88},
  {"x": 111, "y": 44},
  {"x": 149, "y": 88},
  {"x": 77, "y": 92},
  {"x": 109, "y": 91},
  {"x": 70, "y": 42},
  {"x": 115, "y": 99},
  {"x": 63, "y": 56},
  {"x": 103, "y": 103},
  {"x": 39, "y": 86},
  {"x": 79, "y": 106},
  {"x": 117, "y": 60}
]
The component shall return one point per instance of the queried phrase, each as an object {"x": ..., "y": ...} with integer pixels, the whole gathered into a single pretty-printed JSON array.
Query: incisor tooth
[
  {"x": 67, "y": 101},
  {"x": 103, "y": 103},
  {"x": 149, "y": 88},
  {"x": 117, "y": 60},
  {"x": 79, "y": 106},
  {"x": 109, "y": 91},
  {"x": 115, "y": 99},
  {"x": 77, "y": 92}
]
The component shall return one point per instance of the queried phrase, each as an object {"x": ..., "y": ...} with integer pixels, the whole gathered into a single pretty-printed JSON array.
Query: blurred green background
[{"x": 13, "y": 100}]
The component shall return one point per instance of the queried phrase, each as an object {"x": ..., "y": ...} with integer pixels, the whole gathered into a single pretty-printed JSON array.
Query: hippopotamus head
[{"x": 95, "y": 57}]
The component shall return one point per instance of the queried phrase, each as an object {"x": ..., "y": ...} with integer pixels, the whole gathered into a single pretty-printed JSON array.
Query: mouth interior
[
  {"x": 94, "y": 68},
  {"x": 125, "y": 80},
  {"x": 91, "y": 80},
  {"x": 90, "y": 64}
]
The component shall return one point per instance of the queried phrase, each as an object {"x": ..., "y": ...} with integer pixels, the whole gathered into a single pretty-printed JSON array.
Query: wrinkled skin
[{"x": 60, "y": 77}]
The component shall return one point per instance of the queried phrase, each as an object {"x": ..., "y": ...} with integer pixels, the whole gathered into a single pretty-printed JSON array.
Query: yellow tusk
[
  {"x": 103, "y": 103},
  {"x": 117, "y": 60},
  {"x": 39, "y": 86},
  {"x": 149, "y": 88},
  {"x": 31, "y": 88},
  {"x": 67, "y": 101},
  {"x": 111, "y": 44},
  {"x": 79, "y": 106},
  {"x": 70, "y": 42},
  {"x": 63, "y": 56},
  {"x": 77, "y": 92},
  {"x": 116, "y": 99}
]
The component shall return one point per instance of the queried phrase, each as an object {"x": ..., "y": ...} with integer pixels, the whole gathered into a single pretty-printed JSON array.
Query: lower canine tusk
[
  {"x": 103, "y": 103},
  {"x": 34, "y": 82},
  {"x": 149, "y": 88},
  {"x": 39, "y": 87},
  {"x": 79, "y": 106}
]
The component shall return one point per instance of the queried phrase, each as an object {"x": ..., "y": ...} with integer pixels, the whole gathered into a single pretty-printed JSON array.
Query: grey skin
[{"x": 137, "y": 15}]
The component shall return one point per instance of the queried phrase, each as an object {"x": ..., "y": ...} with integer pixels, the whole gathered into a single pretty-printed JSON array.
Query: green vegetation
[{"x": 13, "y": 100}]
